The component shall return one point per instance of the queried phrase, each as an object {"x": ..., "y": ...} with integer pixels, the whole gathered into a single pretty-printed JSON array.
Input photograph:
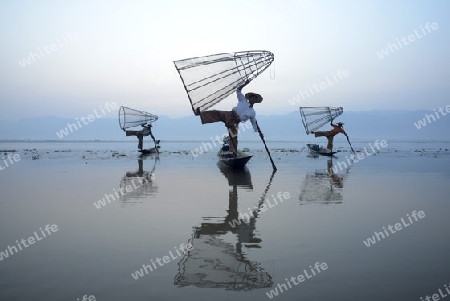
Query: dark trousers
[
  {"x": 231, "y": 120},
  {"x": 329, "y": 136},
  {"x": 137, "y": 134}
]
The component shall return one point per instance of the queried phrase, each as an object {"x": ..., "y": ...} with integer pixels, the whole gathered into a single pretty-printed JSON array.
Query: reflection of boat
[
  {"x": 217, "y": 262},
  {"x": 138, "y": 184},
  {"x": 240, "y": 178},
  {"x": 323, "y": 187},
  {"x": 316, "y": 149},
  {"x": 227, "y": 158}
]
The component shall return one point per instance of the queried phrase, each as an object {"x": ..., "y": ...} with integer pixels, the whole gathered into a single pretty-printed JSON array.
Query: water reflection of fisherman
[
  {"x": 244, "y": 229},
  {"x": 139, "y": 183},
  {"x": 336, "y": 180},
  {"x": 214, "y": 262},
  {"x": 322, "y": 186},
  {"x": 140, "y": 173}
]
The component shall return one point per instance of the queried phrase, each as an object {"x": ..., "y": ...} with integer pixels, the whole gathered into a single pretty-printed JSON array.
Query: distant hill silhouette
[{"x": 361, "y": 125}]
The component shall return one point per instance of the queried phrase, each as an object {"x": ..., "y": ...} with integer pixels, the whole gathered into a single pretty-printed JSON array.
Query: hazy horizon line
[
  {"x": 192, "y": 140},
  {"x": 260, "y": 115}
]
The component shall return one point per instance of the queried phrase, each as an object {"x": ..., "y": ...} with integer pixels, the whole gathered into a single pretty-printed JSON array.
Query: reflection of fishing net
[
  {"x": 130, "y": 117},
  {"x": 210, "y": 79},
  {"x": 214, "y": 263},
  {"x": 315, "y": 117}
]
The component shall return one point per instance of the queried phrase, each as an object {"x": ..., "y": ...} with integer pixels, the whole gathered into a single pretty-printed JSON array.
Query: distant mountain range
[{"x": 360, "y": 126}]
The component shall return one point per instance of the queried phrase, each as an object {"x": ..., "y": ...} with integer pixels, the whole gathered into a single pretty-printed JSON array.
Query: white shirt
[{"x": 244, "y": 110}]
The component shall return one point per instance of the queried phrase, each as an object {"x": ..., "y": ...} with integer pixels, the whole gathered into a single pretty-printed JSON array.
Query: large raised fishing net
[
  {"x": 314, "y": 118},
  {"x": 130, "y": 118},
  {"x": 210, "y": 79}
]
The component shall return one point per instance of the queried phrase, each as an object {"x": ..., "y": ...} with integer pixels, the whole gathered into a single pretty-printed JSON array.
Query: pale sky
[{"x": 123, "y": 52}]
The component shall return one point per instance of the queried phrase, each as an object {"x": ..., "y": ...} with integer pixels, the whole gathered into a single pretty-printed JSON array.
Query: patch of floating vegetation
[
  {"x": 284, "y": 150},
  {"x": 6, "y": 151},
  {"x": 181, "y": 152},
  {"x": 117, "y": 154}
]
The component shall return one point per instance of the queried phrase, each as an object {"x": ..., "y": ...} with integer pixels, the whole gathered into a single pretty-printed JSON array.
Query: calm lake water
[{"x": 250, "y": 231}]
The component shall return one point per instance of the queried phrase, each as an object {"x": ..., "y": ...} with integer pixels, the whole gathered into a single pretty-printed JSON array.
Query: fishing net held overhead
[
  {"x": 210, "y": 79},
  {"x": 130, "y": 117},
  {"x": 314, "y": 118}
]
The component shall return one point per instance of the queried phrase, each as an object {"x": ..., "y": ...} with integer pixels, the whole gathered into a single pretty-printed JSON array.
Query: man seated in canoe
[{"x": 241, "y": 113}]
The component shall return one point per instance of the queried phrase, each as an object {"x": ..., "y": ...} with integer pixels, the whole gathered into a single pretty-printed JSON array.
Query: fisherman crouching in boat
[
  {"x": 330, "y": 134},
  {"x": 240, "y": 113}
]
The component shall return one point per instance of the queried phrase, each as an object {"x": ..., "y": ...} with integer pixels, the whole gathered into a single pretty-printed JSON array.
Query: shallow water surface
[{"x": 175, "y": 226}]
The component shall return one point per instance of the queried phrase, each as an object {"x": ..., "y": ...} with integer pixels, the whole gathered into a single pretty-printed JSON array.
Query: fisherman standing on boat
[
  {"x": 330, "y": 134},
  {"x": 240, "y": 113},
  {"x": 146, "y": 130}
]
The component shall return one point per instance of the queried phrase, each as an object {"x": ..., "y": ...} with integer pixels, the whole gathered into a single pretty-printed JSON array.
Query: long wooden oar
[
  {"x": 154, "y": 140},
  {"x": 267, "y": 150},
  {"x": 350, "y": 144}
]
